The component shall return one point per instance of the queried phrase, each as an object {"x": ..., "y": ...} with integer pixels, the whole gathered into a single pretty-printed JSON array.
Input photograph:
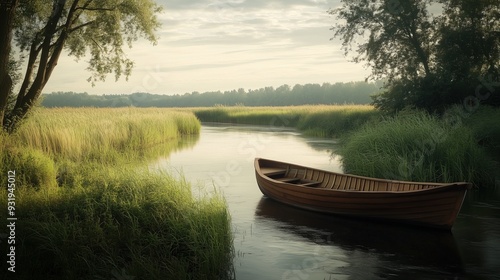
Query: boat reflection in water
[{"x": 366, "y": 249}]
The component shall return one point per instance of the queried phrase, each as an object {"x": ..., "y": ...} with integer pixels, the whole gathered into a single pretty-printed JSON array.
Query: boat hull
[{"x": 435, "y": 205}]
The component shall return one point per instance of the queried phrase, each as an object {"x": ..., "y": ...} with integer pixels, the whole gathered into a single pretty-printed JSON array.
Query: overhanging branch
[
  {"x": 95, "y": 9},
  {"x": 81, "y": 26}
]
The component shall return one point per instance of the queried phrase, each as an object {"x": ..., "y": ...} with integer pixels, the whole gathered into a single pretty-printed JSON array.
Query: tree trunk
[
  {"x": 48, "y": 59},
  {"x": 7, "y": 11}
]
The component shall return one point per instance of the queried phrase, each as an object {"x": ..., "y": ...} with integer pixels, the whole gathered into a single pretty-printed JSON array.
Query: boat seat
[
  {"x": 272, "y": 171},
  {"x": 309, "y": 183},
  {"x": 288, "y": 180}
]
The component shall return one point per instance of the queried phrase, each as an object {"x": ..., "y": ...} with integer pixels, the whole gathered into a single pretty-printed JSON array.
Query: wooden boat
[{"x": 428, "y": 204}]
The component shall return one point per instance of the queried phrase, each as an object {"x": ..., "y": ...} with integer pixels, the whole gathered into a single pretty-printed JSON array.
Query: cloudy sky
[{"x": 207, "y": 45}]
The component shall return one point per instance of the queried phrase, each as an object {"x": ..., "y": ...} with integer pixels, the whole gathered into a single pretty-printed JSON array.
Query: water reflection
[
  {"x": 274, "y": 241},
  {"x": 382, "y": 251}
]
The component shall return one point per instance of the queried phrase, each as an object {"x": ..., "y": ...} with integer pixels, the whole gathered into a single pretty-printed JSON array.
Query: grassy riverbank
[
  {"x": 416, "y": 146},
  {"x": 86, "y": 209},
  {"x": 459, "y": 146},
  {"x": 314, "y": 120}
]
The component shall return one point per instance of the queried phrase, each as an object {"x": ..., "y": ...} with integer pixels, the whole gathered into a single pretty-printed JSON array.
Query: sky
[{"x": 210, "y": 45}]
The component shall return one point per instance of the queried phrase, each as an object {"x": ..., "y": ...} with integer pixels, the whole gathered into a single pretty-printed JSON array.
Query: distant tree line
[{"x": 338, "y": 93}]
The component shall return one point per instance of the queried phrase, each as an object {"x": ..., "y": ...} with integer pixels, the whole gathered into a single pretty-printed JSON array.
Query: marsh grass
[
  {"x": 143, "y": 223},
  {"x": 416, "y": 146},
  {"x": 86, "y": 208},
  {"x": 103, "y": 134},
  {"x": 485, "y": 123},
  {"x": 313, "y": 120}
]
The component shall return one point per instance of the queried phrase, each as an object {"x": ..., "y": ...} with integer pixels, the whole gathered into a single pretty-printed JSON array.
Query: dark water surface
[{"x": 274, "y": 241}]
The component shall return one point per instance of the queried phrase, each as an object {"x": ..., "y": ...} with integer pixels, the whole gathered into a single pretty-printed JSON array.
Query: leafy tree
[
  {"x": 428, "y": 60},
  {"x": 470, "y": 38},
  {"x": 96, "y": 29},
  {"x": 7, "y": 13},
  {"x": 391, "y": 35}
]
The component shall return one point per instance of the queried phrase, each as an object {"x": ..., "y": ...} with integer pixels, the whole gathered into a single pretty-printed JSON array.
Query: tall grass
[
  {"x": 145, "y": 225},
  {"x": 83, "y": 134},
  {"x": 317, "y": 120},
  {"x": 485, "y": 123},
  {"x": 417, "y": 147},
  {"x": 86, "y": 208}
]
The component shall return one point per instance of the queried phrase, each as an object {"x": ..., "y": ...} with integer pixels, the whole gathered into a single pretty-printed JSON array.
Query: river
[{"x": 275, "y": 241}]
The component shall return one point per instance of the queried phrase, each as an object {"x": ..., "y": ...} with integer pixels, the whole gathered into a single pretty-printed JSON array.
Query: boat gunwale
[{"x": 437, "y": 186}]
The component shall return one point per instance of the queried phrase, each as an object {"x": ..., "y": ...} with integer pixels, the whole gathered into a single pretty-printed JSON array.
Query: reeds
[
  {"x": 314, "y": 120},
  {"x": 83, "y": 134},
  {"x": 137, "y": 223},
  {"x": 88, "y": 208},
  {"x": 416, "y": 146}
]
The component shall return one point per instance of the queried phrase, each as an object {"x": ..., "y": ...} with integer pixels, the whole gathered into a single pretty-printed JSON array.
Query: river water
[{"x": 275, "y": 241}]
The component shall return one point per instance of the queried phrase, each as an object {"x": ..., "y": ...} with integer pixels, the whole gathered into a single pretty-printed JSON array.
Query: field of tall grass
[
  {"x": 313, "y": 120},
  {"x": 101, "y": 134},
  {"x": 416, "y": 146},
  {"x": 87, "y": 208}
]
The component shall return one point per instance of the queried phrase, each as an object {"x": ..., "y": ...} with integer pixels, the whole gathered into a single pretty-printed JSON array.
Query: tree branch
[
  {"x": 78, "y": 14},
  {"x": 81, "y": 26},
  {"x": 95, "y": 9}
]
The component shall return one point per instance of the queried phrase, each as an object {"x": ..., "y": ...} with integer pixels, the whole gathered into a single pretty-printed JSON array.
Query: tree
[
  {"x": 394, "y": 37},
  {"x": 97, "y": 29},
  {"x": 470, "y": 38},
  {"x": 428, "y": 60},
  {"x": 7, "y": 12}
]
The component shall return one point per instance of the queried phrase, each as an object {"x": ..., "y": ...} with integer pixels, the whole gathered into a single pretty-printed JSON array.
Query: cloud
[{"x": 209, "y": 45}]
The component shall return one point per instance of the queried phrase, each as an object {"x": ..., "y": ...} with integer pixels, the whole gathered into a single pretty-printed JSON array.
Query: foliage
[
  {"x": 338, "y": 93},
  {"x": 416, "y": 146},
  {"x": 97, "y": 30},
  {"x": 429, "y": 59},
  {"x": 397, "y": 47}
]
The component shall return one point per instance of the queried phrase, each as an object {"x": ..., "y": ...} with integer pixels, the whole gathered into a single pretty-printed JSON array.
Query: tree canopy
[
  {"x": 432, "y": 53},
  {"x": 90, "y": 29}
]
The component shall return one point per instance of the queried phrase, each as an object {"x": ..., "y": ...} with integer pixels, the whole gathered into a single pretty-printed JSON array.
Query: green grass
[
  {"x": 123, "y": 221},
  {"x": 415, "y": 146},
  {"x": 86, "y": 208},
  {"x": 318, "y": 120},
  {"x": 485, "y": 123},
  {"x": 103, "y": 134}
]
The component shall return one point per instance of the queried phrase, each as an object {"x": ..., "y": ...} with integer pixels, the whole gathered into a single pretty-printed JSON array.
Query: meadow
[{"x": 87, "y": 207}]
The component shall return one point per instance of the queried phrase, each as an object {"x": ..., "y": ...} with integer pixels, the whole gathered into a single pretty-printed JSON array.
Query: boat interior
[{"x": 314, "y": 178}]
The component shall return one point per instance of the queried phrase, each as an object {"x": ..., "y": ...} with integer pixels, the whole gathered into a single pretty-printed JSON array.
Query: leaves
[
  {"x": 429, "y": 60},
  {"x": 391, "y": 35},
  {"x": 93, "y": 29},
  {"x": 97, "y": 29}
]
